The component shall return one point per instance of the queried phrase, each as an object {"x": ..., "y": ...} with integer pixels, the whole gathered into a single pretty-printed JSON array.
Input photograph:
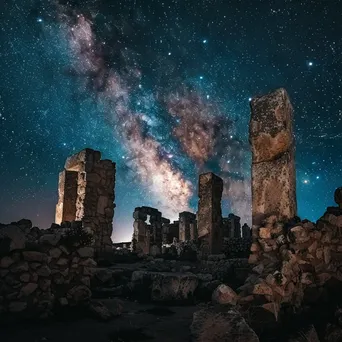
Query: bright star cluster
[{"x": 163, "y": 88}]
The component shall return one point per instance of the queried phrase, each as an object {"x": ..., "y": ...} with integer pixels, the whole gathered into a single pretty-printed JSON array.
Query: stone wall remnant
[
  {"x": 273, "y": 166},
  {"x": 48, "y": 269},
  {"x": 246, "y": 231},
  {"x": 93, "y": 203},
  {"x": 186, "y": 225},
  {"x": 67, "y": 196},
  {"x": 209, "y": 211},
  {"x": 294, "y": 260},
  {"x": 148, "y": 235}
]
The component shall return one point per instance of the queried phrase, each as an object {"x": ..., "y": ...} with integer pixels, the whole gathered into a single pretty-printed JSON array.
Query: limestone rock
[
  {"x": 13, "y": 238},
  {"x": 28, "y": 289},
  {"x": 272, "y": 143},
  {"x": 224, "y": 295},
  {"x": 55, "y": 253},
  {"x": 211, "y": 325},
  {"x": 50, "y": 239},
  {"x": 85, "y": 252},
  {"x": 164, "y": 286},
  {"x": 6, "y": 262},
  {"x": 34, "y": 256},
  {"x": 79, "y": 293}
]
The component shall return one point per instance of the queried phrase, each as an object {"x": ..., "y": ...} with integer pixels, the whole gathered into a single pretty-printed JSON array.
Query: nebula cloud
[
  {"x": 203, "y": 131},
  {"x": 206, "y": 136},
  {"x": 113, "y": 90}
]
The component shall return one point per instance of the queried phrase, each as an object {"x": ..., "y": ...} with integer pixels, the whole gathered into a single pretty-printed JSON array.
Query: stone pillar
[
  {"x": 185, "y": 219},
  {"x": 67, "y": 196},
  {"x": 273, "y": 166},
  {"x": 209, "y": 214},
  {"x": 246, "y": 231},
  {"x": 193, "y": 231},
  {"x": 95, "y": 194}
]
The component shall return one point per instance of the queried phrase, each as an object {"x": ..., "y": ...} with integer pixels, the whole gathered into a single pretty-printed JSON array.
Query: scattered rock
[
  {"x": 224, "y": 295},
  {"x": 212, "y": 325}
]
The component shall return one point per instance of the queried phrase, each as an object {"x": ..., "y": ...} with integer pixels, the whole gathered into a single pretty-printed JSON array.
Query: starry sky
[{"x": 163, "y": 88}]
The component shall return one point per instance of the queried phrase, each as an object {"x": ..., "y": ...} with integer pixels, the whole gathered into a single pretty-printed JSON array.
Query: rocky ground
[{"x": 138, "y": 322}]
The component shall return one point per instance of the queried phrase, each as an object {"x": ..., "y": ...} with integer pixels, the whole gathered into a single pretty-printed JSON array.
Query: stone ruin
[
  {"x": 209, "y": 214},
  {"x": 273, "y": 167},
  {"x": 292, "y": 261},
  {"x": 86, "y": 193},
  {"x": 187, "y": 226},
  {"x": 148, "y": 236}
]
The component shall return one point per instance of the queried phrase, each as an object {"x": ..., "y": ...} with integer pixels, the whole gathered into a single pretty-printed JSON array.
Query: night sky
[{"x": 162, "y": 88}]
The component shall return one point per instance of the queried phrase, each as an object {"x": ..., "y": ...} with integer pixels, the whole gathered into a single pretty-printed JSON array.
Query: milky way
[{"x": 162, "y": 88}]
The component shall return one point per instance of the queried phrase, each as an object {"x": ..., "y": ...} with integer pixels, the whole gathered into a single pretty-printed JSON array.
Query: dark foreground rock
[
  {"x": 164, "y": 286},
  {"x": 217, "y": 324}
]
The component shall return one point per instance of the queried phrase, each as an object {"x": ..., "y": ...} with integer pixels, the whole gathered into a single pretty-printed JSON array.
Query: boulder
[
  {"x": 11, "y": 238},
  {"x": 34, "y": 256},
  {"x": 164, "y": 286},
  {"x": 86, "y": 252},
  {"x": 79, "y": 293},
  {"x": 99, "y": 310},
  {"x": 50, "y": 239},
  {"x": 213, "y": 324},
  {"x": 28, "y": 289},
  {"x": 224, "y": 295}
]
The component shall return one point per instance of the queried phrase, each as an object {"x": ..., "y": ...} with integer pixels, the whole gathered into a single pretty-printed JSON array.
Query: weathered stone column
[
  {"x": 193, "y": 231},
  {"x": 95, "y": 194},
  {"x": 67, "y": 196},
  {"x": 209, "y": 211},
  {"x": 185, "y": 220},
  {"x": 273, "y": 166}
]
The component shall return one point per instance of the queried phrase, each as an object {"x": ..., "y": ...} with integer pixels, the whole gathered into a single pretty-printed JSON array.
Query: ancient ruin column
[
  {"x": 185, "y": 219},
  {"x": 209, "y": 224},
  {"x": 193, "y": 231},
  {"x": 273, "y": 166},
  {"x": 67, "y": 196},
  {"x": 95, "y": 194}
]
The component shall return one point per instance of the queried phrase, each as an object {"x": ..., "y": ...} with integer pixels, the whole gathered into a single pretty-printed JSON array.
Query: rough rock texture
[
  {"x": 223, "y": 294},
  {"x": 165, "y": 286},
  {"x": 67, "y": 196},
  {"x": 37, "y": 272},
  {"x": 86, "y": 193},
  {"x": 185, "y": 220},
  {"x": 209, "y": 211},
  {"x": 147, "y": 238},
  {"x": 214, "y": 324},
  {"x": 295, "y": 261},
  {"x": 273, "y": 166}
]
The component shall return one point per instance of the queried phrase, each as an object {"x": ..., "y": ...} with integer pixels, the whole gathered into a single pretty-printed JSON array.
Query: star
[
  {"x": 39, "y": 20},
  {"x": 201, "y": 77},
  {"x": 306, "y": 181},
  {"x": 205, "y": 41},
  {"x": 310, "y": 63}
]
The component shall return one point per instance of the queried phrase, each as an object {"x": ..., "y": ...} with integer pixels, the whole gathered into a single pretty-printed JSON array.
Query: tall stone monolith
[
  {"x": 273, "y": 157},
  {"x": 209, "y": 216}
]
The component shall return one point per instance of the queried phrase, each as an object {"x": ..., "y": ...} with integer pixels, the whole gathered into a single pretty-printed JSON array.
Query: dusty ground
[{"x": 139, "y": 322}]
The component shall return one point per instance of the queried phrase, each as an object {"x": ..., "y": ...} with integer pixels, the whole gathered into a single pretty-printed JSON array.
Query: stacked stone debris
[
  {"x": 294, "y": 259},
  {"x": 41, "y": 270},
  {"x": 86, "y": 193}
]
